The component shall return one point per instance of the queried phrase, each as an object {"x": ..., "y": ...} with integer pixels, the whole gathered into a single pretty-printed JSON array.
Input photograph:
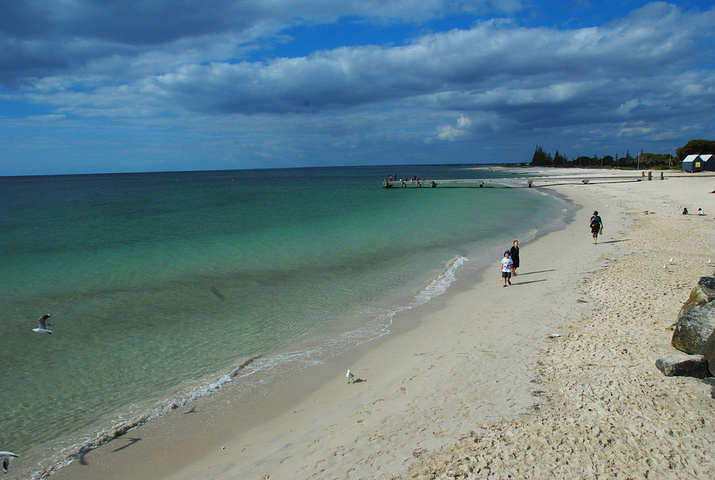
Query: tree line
[{"x": 642, "y": 160}]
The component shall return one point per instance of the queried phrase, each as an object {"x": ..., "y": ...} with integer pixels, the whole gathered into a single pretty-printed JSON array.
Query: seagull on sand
[
  {"x": 6, "y": 459},
  {"x": 42, "y": 324},
  {"x": 350, "y": 376},
  {"x": 708, "y": 262}
]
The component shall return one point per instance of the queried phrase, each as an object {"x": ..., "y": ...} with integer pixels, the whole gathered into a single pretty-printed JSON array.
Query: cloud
[
  {"x": 214, "y": 71},
  {"x": 495, "y": 65},
  {"x": 40, "y": 39},
  {"x": 448, "y": 132}
]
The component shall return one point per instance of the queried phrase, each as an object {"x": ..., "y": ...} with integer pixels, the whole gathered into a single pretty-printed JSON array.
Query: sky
[{"x": 105, "y": 86}]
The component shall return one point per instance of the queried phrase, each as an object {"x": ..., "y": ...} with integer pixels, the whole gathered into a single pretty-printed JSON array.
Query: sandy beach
[{"x": 474, "y": 384}]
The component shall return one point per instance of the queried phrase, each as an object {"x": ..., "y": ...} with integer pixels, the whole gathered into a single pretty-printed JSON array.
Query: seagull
[
  {"x": 350, "y": 376},
  {"x": 708, "y": 262},
  {"x": 670, "y": 261},
  {"x": 665, "y": 265},
  {"x": 42, "y": 324},
  {"x": 6, "y": 459}
]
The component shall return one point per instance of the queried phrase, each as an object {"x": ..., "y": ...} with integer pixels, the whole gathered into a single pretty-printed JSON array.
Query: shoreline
[
  {"x": 609, "y": 412},
  {"x": 423, "y": 388}
]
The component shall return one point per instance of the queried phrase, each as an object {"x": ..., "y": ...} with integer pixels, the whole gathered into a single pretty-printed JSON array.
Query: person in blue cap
[{"x": 506, "y": 266}]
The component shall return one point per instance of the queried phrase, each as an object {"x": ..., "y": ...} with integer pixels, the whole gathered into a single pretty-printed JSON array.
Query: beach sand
[{"x": 472, "y": 384}]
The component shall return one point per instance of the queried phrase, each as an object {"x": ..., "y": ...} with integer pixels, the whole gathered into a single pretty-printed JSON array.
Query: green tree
[
  {"x": 541, "y": 158},
  {"x": 695, "y": 146},
  {"x": 558, "y": 159}
]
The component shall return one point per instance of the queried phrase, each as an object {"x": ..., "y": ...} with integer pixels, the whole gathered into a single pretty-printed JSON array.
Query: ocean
[{"x": 164, "y": 286}]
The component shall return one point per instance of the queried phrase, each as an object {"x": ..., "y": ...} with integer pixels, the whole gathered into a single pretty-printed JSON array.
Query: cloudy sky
[{"x": 92, "y": 86}]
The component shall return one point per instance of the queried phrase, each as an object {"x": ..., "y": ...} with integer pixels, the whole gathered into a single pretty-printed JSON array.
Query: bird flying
[
  {"x": 6, "y": 459},
  {"x": 42, "y": 324}
]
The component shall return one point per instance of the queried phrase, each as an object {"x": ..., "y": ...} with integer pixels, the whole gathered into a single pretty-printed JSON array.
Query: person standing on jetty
[
  {"x": 596, "y": 226},
  {"x": 514, "y": 255},
  {"x": 506, "y": 266}
]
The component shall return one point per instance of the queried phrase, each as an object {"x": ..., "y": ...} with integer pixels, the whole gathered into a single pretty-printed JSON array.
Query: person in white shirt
[{"x": 506, "y": 267}]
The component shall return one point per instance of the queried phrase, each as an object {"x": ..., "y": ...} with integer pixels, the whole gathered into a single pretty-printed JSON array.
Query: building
[{"x": 699, "y": 163}]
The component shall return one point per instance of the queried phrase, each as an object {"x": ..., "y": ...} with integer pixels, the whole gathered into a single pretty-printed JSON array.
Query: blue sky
[{"x": 92, "y": 86}]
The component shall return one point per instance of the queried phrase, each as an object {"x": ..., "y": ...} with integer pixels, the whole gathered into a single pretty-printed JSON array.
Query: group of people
[
  {"x": 510, "y": 263},
  {"x": 700, "y": 212}
]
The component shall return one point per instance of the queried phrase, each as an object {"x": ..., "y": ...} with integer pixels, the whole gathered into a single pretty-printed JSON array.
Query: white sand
[{"x": 477, "y": 389}]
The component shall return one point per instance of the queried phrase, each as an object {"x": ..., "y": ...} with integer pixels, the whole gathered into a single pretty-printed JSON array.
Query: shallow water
[{"x": 161, "y": 285}]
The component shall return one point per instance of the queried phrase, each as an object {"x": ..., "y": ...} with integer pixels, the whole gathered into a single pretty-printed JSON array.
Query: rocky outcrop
[
  {"x": 709, "y": 353},
  {"x": 696, "y": 321},
  {"x": 683, "y": 366}
]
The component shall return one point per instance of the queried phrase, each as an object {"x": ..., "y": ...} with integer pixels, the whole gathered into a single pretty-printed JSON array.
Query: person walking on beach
[
  {"x": 506, "y": 266},
  {"x": 514, "y": 255},
  {"x": 596, "y": 226}
]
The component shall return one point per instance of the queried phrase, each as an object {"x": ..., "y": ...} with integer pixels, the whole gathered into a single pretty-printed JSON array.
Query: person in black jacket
[{"x": 515, "y": 257}]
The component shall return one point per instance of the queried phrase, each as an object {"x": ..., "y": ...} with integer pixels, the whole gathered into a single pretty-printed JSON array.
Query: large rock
[
  {"x": 683, "y": 366},
  {"x": 709, "y": 353},
  {"x": 696, "y": 320},
  {"x": 704, "y": 292}
]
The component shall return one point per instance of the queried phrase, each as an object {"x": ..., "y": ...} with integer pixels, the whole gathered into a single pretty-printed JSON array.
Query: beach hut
[
  {"x": 708, "y": 162},
  {"x": 693, "y": 163}
]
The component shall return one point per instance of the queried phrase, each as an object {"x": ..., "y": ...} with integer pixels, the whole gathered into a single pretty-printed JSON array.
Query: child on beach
[{"x": 506, "y": 266}]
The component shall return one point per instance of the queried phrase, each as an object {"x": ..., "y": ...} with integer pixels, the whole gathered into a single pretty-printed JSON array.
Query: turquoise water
[{"x": 161, "y": 286}]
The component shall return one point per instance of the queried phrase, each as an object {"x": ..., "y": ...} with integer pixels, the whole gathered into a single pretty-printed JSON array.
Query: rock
[
  {"x": 704, "y": 292},
  {"x": 696, "y": 320},
  {"x": 709, "y": 353},
  {"x": 683, "y": 366}
]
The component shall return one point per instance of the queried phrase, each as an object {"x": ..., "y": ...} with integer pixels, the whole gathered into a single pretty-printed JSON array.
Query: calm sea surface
[{"x": 164, "y": 286}]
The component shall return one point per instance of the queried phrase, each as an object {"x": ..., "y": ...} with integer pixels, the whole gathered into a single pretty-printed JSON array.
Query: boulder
[
  {"x": 696, "y": 320},
  {"x": 704, "y": 292},
  {"x": 709, "y": 353},
  {"x": 683, "y": 366}
]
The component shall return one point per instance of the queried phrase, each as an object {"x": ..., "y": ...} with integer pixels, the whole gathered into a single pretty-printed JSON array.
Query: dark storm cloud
[
  {"x": 493, "y": 66},
  {"x": 40, "y": 38}
]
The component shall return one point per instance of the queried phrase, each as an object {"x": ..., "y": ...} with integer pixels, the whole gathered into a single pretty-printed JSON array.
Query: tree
[
  {"x": 696, "y": 146},
  {"x": 558, "y": 159},
  {"x": 541, "y": 158}
]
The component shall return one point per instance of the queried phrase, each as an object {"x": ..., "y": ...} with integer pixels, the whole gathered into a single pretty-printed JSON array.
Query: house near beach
[
  {"x": 699, "y": 163},
  {"x": 708, "y": 162}
]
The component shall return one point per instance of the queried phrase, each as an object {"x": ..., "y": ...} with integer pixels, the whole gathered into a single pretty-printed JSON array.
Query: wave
[
  {"x": 441, "y": 283},
  {"x": 379, "y": 325},
  {"x": 122, "y": 425}
]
